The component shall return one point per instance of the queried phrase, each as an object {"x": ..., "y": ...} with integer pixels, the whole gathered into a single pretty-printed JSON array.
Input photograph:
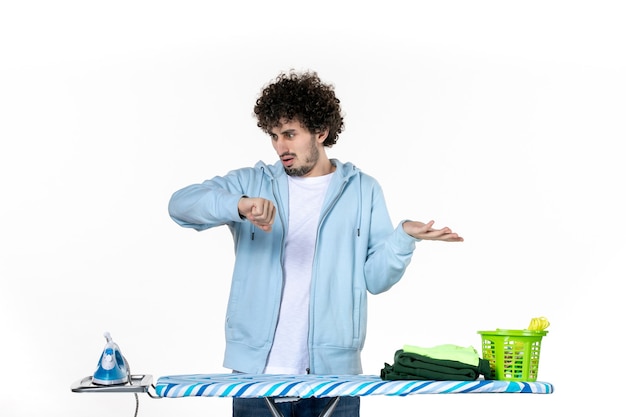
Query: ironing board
[
  {"x": 271, "y": 387},
  {"x": 274, "y": 387}
]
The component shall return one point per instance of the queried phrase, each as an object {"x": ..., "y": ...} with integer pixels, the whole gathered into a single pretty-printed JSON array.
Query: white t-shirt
[{"x": 290, "y": 352}]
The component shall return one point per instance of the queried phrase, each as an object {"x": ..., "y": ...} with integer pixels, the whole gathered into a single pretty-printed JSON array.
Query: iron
[{"x": 112, "y": 368}]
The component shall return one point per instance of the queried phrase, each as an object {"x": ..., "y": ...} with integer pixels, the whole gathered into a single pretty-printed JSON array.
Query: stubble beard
[{"x": 309, "y": 163}]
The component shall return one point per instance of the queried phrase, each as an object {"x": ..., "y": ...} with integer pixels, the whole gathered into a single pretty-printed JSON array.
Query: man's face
[{"x": 297, "y": 148}]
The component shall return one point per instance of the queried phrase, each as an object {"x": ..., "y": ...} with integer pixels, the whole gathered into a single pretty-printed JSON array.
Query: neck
[{"x": 323, "y": 167}]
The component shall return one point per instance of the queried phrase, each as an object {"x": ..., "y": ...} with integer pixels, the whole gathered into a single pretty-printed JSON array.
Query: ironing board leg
[
  {"x": 326, "y": 412},
  {"x": 270, "y": 403},
  {"x": 330, "y": 407}
]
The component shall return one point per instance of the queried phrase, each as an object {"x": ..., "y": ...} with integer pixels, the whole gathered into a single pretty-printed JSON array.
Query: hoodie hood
[
  {"x": 344, "y": 169},
  {"x": 344, "y": 173}
]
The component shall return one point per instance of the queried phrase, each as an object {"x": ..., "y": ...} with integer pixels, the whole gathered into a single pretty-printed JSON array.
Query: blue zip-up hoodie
[{"x": 357, "y": 251}]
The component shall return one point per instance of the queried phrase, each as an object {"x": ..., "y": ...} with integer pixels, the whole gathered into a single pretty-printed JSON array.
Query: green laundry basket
[{"x": 513, "y": 355}]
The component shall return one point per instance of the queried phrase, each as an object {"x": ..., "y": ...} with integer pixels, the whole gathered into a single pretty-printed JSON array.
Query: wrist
[{"x": 241, "y": 216}]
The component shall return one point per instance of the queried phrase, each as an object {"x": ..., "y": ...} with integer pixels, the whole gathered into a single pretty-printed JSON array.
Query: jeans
[{"x": 304, "y": 407}]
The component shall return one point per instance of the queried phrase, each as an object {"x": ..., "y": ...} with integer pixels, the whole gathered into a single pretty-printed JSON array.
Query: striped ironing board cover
[{"x": 305, "y": 386}]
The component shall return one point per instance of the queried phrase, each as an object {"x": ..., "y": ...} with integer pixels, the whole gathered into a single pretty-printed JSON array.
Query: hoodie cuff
[
  {"x": 402, "y": 239},
  {"x": 241, "y": 216},
  {"x": 230, "y": 203}
]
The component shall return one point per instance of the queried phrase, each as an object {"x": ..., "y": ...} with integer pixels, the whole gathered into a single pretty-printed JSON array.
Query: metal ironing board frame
[
  {"x": 138, "y": 383},
  {"x": 326, "y": 412}
]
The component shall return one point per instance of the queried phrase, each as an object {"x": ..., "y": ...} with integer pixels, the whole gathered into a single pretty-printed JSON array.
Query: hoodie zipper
[{"x": 314, "y": 272}]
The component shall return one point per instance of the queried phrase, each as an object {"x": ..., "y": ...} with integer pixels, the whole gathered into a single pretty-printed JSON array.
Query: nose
[{"x": 280, "y": 145}]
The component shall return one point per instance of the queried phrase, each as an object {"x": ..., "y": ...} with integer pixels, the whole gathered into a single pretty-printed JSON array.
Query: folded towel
[{"x": 409, "y": 365}]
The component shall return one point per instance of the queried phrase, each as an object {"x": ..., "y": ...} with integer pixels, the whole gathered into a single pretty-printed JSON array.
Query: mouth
[{"x": 287, "y": 160}]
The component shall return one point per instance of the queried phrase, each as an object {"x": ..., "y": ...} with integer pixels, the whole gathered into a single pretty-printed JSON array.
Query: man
[{"x": 312, "y": 237}]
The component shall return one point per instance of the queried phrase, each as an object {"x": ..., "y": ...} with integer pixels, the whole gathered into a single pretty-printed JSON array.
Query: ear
[{"x": 321, "y": 136}]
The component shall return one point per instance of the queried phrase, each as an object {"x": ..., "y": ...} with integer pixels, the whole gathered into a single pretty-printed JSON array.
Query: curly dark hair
[{"x": 303, "y": 97}]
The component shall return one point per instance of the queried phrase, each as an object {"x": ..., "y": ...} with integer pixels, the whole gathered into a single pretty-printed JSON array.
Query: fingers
[
  {"x": 444, "y": 234},
  {"x": 427, "y": 232},
  {"x": 451, "y": 237},
  {"x": 428, "y": 226},
  {"x": 262, "y": 214}
]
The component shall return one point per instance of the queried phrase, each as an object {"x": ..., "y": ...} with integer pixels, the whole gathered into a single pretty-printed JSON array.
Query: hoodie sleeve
[
  {"x": 389, "y": 250},
  {"x": 211, "y": 203}
]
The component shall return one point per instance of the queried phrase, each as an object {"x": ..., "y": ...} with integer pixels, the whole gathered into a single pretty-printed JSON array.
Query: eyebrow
[{"x": 283, "y": 132}]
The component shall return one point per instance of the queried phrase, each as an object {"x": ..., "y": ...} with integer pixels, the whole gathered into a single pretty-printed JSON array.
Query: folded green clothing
[
  {"x": 392, "y": 373},
  {"x": 451, "y": 352},
  {"x": 409, "y": 365}
]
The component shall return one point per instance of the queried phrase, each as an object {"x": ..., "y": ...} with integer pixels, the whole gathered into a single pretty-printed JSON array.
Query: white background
[{"x": 503, "y": 120}]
